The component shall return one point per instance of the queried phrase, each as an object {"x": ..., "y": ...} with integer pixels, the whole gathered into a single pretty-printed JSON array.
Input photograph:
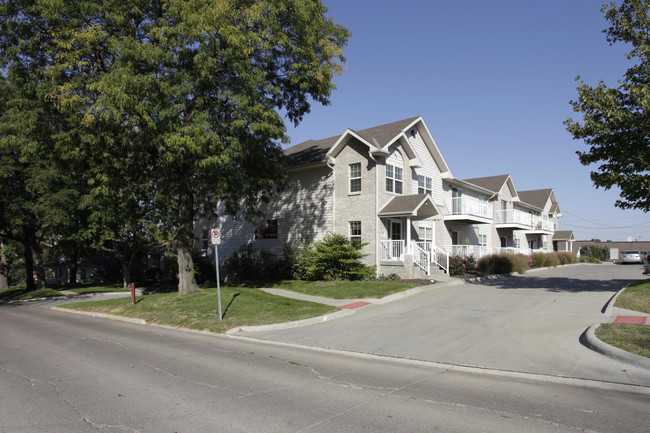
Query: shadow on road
[{"x": 557, "y": 284}]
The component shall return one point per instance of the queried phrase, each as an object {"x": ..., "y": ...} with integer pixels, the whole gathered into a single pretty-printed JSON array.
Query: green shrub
[
  {"x": 593, "y": 253},
  {"x": 204, "y": 270},
  {"x": 250, "y": 264},
  {"x": 458, "y": 265},
  {"x": 336, "y": 257}
]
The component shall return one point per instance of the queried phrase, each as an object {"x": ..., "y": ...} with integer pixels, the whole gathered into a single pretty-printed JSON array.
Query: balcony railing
[
  {"x": 392, "y": 251},
  {"x": 524, "y": 219},
  {"x": 468, "y": 206}
]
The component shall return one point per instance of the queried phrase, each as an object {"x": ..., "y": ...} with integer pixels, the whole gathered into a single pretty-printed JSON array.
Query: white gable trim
[{"x": 373, "y": 150}]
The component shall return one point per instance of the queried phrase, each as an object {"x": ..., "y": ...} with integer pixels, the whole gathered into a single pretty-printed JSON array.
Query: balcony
[
  {"x": 520, "y": 220},
  {"x": 468, "y": 209}
]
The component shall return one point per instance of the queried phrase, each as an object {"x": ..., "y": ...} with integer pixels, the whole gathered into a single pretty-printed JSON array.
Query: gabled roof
[
  {"x": 494, "y": 183},
  {"x": 415, "y": 205},
  {"x": 562, "y": 235},
  {"x": 310, "y": 151},
  {"x": 377, "y": 138},
  {"x": 385, "y": 134},
  {"x": 536, "y": 197}
]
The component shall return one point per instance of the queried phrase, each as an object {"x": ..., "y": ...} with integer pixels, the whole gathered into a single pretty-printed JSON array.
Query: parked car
[{"x": 632, "y": 256}]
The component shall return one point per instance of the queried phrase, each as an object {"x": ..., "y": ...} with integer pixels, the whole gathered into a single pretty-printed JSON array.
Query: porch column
[
  {"x": 409, "y": 249},
  {"x": 433, "y": 234}
]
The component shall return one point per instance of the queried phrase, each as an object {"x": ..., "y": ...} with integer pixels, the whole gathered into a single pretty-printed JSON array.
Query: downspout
[
  {"x": 330, "y": 164},
  {"x": 377, "y": 220}
]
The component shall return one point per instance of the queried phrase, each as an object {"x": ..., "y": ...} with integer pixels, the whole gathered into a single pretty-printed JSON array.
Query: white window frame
[
  {"x": 354, "y": 176},
  {"x": 355, "y": 231},
  {"x": 425, "y": 185},
  {"x": 394, "y": 179},
  {"x": 482, "y": 239}
]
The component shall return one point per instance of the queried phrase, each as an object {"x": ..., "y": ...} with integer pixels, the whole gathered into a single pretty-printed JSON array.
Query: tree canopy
[
  {"x": 174, "y": 106},
  {"x": 616, "y": 120}
]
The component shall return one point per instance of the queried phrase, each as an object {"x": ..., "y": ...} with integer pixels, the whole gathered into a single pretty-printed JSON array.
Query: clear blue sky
[{"x": 493, "y": 81}]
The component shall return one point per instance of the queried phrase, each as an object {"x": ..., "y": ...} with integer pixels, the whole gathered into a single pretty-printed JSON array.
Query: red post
[{"x": 132, "y": 293}]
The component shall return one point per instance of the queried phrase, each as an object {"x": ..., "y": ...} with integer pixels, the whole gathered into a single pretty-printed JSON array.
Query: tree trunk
[
  {"x": 73, "y": 266},
  {"x": 126, "y": 274},
  {"x": 37, "y": 259},
  {"x": 185, "y": 244},
  {"x": 30, "y": 283},
  {"x": 4, "y": 268}
]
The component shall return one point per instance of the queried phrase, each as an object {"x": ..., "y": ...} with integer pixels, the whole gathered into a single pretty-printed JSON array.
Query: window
[
  {"x": 424, "y": 185},
  {"x": 482, "y": 240},
  {"x": 355, "y": 177},
  {"x": 266, "y": 229},
  {"x": 394, "y": 179},
  {"x": 204, "y": 240},
  {"x": 425, "y": 233},
  {"x": 355, "y": 231}
]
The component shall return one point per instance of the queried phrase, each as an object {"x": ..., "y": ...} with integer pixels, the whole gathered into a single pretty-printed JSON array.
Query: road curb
[
  {"x": 101, "y": 315},
  {"x": 289, "y": 325},
  {"x": 589, "y": 339}
]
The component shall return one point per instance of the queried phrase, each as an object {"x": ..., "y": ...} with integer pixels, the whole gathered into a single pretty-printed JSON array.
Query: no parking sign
[{"x": 215, "y": 235}]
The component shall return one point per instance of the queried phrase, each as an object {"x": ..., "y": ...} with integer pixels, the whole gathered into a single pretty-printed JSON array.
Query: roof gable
[
  {"x": 378, "y": 139},
  {"x": 495, "y": 183}
]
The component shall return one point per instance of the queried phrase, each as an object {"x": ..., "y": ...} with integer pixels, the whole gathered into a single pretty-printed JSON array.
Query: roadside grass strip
[
  {"x": 631, "y": 338},
  {"x": 241, "y": 306}
]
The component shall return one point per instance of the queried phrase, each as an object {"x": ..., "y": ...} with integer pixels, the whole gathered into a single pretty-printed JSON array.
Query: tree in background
[
  {"x": 616, "y": 121},
  {"x": 197, "y": 86},
  {"x": 178, "y": 101}
]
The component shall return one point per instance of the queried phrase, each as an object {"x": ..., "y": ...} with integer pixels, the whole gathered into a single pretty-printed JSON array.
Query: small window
[
  {"x": 424, "y": 185},
  {"x": 355, "y": 177},
  {"x": 355, "y": 231},
  {"x": 394, "y": 181},
  {"x": 482, "y": 240},
  {"x": 204, "y": 240},
  {"x": 266, "y": 229}
]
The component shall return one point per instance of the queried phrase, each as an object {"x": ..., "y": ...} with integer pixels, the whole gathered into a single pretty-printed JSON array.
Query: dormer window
[{"x": 394, "y": 182}]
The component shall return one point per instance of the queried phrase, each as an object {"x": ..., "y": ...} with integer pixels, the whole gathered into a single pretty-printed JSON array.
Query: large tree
[
  {"x": 197, "y": 89},
  {"x": 616, "y": 120}
]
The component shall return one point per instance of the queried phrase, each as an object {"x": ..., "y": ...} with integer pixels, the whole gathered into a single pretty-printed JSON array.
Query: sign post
[{"x": 215, "y": 235}]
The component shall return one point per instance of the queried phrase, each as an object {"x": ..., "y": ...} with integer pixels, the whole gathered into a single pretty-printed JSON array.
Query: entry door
[{"x": 396, "y": 235}]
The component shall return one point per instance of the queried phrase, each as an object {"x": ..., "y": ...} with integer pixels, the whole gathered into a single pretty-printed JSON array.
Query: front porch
[{"x": 402, "y": 253}]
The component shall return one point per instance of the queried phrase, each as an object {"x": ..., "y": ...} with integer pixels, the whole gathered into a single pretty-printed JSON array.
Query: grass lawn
[
  {"x": 632, "y": 338},
  {"x": 19, "y": 294},
  {"x": 636, "y": 297},
  {"x": 83, "y": 290},
  {"x": 341, "y": 289},
  {"x": 241, "y": 306}
]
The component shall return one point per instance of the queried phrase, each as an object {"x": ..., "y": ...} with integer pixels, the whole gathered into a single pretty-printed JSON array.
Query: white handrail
[{"x": 421, "y": 258}]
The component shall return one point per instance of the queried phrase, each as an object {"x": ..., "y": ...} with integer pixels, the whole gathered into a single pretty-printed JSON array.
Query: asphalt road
[
  {"x": 61, "y": 372},
  {"x": 530, "y": 323}
]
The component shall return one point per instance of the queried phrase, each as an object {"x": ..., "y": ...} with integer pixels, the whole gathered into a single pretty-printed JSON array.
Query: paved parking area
[{"x": 530, "y": 323}]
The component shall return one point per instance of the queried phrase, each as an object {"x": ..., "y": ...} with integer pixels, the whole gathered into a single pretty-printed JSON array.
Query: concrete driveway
[{"x": 530, "y": 323}]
